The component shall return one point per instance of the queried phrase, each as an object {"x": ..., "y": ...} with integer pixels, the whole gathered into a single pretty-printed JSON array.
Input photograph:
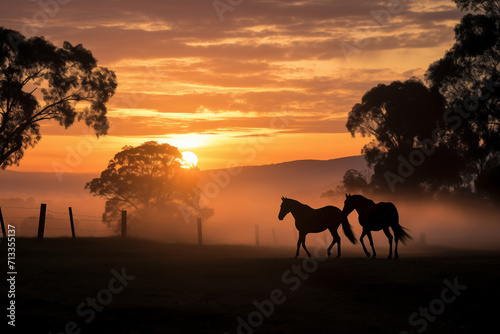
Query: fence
[
  {"x": 70, "y": 219},
  {"x": 55, "y": 216}
]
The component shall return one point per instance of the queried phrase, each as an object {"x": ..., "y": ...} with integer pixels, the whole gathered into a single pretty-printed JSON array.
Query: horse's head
[
  {"x": 349, "y": 204},
  {"x": 284, "y": 208}
]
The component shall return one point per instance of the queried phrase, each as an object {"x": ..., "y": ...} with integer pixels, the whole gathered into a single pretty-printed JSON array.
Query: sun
[{"x": 189, "y": 159}]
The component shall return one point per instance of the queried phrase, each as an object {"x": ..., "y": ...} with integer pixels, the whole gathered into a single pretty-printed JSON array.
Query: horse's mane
[
  {"x": 362, "y": 198},
  {"x": 294, "y": 201}
]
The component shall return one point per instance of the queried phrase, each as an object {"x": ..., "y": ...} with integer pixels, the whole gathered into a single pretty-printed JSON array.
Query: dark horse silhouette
[
  {"x": 309, "y": 220},
  {"x": 376, "y": 217}
]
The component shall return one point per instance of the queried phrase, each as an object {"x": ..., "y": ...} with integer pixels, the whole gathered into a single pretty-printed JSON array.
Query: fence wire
[
  {"x": 58, "y": 221},
  {"x": 54, "y": 220},
  {"x": 53, "y": 217}
]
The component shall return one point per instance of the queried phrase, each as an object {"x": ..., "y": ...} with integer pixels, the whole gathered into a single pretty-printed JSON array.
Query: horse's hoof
[
  {"x": 329, "y": 254},
  {"x": 338, "y": 255},
  {"x": 396, "y": 257},
  {"x": 367, "y": 254},
  {"x": 389, "y": 257}
]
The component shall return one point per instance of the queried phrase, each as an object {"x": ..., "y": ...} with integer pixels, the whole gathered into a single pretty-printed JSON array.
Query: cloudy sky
[{"x": 240, "y": 81}]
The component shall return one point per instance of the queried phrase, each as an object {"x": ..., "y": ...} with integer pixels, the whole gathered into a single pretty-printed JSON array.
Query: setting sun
[{"x": 189, "y": 159}]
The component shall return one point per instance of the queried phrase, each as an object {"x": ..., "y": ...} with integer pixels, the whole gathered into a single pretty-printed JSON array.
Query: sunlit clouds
[{"x": 187, "y": 78}]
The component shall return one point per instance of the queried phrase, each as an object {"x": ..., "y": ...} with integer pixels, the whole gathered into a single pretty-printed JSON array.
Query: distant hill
[
  {"x": 34, "y": 184},
  {"x": 291, "y": 177}
]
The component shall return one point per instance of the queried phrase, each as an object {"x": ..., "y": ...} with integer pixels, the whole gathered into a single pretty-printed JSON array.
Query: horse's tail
[
  {"x": 400, "y": 231},
  {"x": 346, "y": 227}
]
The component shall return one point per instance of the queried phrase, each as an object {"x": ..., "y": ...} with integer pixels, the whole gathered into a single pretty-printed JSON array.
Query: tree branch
[
  {"x": 42, "y": 111},
  {"x": 33, "y": 76}
]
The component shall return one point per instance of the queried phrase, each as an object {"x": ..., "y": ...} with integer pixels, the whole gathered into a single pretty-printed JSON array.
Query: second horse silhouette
[
  {"x": 309, "y": 220},
  {"x": 375, "y": 217}
]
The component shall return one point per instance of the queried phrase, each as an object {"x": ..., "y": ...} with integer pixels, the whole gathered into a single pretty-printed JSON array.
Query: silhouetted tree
[
  {"x": 485, "y": 6},
  {"x": 148, "y": 181},
  {"x": 404, "y": 119},
  {"x": 488, "y": 183},
  {"x": 468, "y": 76},
  {"x": 354, "y": 181},
  {"x": 38, "y": 82}
]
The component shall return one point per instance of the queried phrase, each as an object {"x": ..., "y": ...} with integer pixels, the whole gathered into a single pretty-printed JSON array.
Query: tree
[
  {"x": 395, "y": 115},
  {"x": 486, "y": 6},
  {"x": 403, "y": 118},
  {"x": 468, "y": 76},
  {"x": 353, "y": 182},
  {"x": 39, "y": 81},
  {"x": 148, "y": 181},
  {"x": 488, "y": 184}
]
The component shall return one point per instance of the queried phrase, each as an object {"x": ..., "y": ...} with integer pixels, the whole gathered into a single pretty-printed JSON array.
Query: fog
[
  {"x": 451, "y": 224},
  {"x": 242, "y": 201}
]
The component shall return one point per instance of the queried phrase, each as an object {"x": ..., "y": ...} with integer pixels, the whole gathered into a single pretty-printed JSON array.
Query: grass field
[{"x": 71, "y": 286}]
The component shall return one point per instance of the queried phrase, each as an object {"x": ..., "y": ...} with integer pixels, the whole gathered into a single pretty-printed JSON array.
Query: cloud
[{"x": 174, "y": 57}]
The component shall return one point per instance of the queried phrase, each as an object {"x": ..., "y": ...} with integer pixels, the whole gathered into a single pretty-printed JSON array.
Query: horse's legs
[
  {"x": 389, "y": 236},
  {"x": 299, "y": 242},
  {"x": 302, "y": 241},
  {"x": 338, "y": 247},
  {"x": 396, "y": 255},
  {"x": 369, "y": 234},
  {"x": 363, "y": 244},
  {"x": 304, "y": 245},
  {"x": 329, "y": 250},
  {"x": 336, "y": 239}
]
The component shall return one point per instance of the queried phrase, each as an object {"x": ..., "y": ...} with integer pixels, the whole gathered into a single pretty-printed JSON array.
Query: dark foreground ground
[{"x": 69, "y": 286}]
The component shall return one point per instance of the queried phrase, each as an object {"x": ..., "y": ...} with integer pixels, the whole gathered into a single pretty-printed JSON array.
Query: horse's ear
[
  {"x": 346, "y": 196},
  {"x": 282, "y": 198}
]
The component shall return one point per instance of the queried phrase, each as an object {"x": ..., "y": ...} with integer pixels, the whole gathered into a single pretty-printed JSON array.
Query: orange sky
[{"x": 265, "y": 82}]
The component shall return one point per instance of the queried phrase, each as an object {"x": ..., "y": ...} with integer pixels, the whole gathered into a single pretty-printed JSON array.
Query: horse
[
  {"x": 376, "y": 217},
  {"x": 309, "y": 220}
]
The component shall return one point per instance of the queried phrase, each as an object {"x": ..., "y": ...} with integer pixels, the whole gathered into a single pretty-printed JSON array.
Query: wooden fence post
[
  {"x": 2, "y": 223},
  {"x": 124, "y": 223},
  {"x": 200, "y": 232},
  {"x": 41, "y": 221},
  {"x": 257, "y": 241},
  {"x": 71, "y": 222}
]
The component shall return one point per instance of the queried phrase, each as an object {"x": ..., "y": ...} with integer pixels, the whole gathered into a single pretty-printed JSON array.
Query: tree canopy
[
  {"x": 353, "y": 182},
  {"x": 39, "y": 81},
  {"x": 468, "y": 76},
  {"x": 485, "y": 6},
  {"x": 404, "y": 119},
  {"x": 396, "y": 115},
  {"x": 148, "y": 181}
]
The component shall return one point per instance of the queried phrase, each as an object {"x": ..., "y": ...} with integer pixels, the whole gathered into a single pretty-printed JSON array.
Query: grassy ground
[{"x": 215, "y": 289}]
